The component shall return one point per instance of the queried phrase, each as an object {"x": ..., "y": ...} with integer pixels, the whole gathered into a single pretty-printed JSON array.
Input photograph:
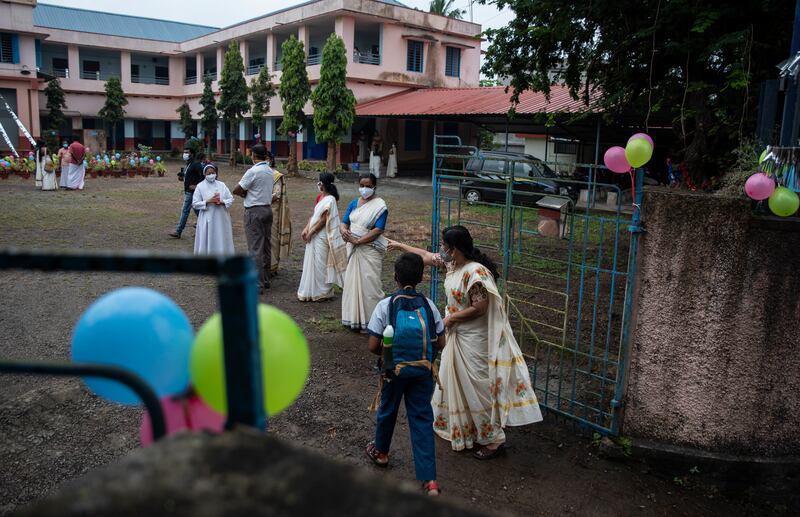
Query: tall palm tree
[{"x": 445, "y": 8}]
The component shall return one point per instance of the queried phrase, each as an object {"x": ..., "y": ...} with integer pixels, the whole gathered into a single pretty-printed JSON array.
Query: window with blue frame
[
  {"x": 413, "y": 135},
  {"x": 414, "y": 58},
  {"x": 9, "y": 48},
  {"x": 452, "y": 66}
]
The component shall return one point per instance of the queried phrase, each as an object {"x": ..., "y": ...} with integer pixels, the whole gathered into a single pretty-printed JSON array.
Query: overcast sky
[{"x": 220, "y": 13}]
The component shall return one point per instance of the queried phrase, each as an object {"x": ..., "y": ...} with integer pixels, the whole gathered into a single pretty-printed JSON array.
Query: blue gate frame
[{"x": 568, "y": 298}]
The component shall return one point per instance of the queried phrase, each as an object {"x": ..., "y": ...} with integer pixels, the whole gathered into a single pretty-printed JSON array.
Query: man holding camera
[{"x": 191, "y": 176}]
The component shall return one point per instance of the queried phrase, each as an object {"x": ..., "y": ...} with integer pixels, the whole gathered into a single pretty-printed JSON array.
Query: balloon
[
  {"x": 759, "y": 186},
  {"x": 638, "y": 152},
  {"x": 113, "y": 162},
  {"x": 151, "y": 161},
  {"x": 183, "y": 414},
  {"x": 158, "y": 158},
  {"x": 133, "y": 162},
  {"x": 117, "y": 156},
  {"x": 783, "y": 202},
  {"x": 284, "y": 360},
  {"x": 140, "y": 330},
  {"x": 84, "y": 163},
  {"x": 97, "y": 157},
  {"x": 616, "y": 161},
  {"x": 644, "y": 136}
]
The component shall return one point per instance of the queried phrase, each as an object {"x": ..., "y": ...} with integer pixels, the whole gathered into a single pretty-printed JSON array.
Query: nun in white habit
[{"x": 212, "y": 198}]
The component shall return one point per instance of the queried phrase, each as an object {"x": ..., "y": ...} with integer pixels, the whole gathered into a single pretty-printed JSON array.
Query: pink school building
[{"x": 391, "y": 49}]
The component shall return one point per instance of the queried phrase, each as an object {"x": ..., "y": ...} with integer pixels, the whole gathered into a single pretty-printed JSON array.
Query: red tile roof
[{"x": 469, "y": 101}]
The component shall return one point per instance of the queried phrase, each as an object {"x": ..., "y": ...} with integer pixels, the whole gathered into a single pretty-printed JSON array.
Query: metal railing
[
  {"x": 277, "y": 65},
  {"x": 211, "y": 75},
  {"x": 254, "y": 69},
  {"x": 58, "y": 72},
  {"x": 96, "y": 76},
  {"x": 314, "y": 59},
  {"x": 192, "y": 79},
  {"x": 164, "y": 81},
  {"x": 366, "y": 58}
]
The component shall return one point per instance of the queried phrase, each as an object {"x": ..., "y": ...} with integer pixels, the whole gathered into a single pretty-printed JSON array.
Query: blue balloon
[
  {"x": 117, "y": 156},
  {"x": 85, "y": 163},
  {"x": 97, "y": 157},
  {"x": 133, "y": 162},
  {"x": 140, "y": 330},
  {"x": 158, "y": 158}
]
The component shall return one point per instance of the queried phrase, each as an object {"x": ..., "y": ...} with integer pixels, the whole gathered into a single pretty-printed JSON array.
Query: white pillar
[
  {"x": 346, "y": 29},
  {"x": 271, "y": 54},
  {"x": 74, "y": 62},
  {"x": 244, "y": 50},
  {"x": 199, "y": 66},
  {"x": 220, "y": 61},
  {"x": 129, "y": 128},
  {"x": 243, "y": 130},
  {"x": 269, "y": 130},
  {"x": 302, "y": 34}
]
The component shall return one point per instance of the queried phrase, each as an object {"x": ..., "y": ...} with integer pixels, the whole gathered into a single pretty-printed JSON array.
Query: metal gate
[{"x": 567, "y": 264}]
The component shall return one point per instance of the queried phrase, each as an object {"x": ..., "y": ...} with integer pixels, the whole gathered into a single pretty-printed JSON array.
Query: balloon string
[
  {"x": 187, "y": 414},
  {"x": 633, "y": 189}
]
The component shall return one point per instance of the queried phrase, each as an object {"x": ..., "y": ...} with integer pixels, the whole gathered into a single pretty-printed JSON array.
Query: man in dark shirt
[{"x": 193, "y": 175}]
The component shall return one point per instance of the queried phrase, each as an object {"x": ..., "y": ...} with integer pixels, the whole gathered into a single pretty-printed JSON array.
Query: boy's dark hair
[
  {"x": 408, "y": 269},
  {"x": 259, "y": 152}
]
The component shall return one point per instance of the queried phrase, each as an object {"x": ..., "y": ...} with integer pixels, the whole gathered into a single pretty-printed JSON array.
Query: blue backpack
[{"x": 414, "y": 334}]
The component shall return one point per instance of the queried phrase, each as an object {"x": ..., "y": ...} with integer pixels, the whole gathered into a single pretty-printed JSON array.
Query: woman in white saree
[
  {"x": 214, "y": 234},
  {"x": 325, "y": 259},
  {"x": 362, "y": 229},
  {"x": 485, "y": 383}
]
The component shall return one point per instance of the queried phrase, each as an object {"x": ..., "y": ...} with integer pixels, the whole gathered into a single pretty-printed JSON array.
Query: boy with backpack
[{"x": 412, "y": 329}]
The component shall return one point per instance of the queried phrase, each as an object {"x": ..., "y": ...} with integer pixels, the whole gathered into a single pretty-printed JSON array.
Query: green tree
[
  {"x": 233, "y": 93},
  {"x": 695, "y": 63},
  {"x": 334, "y": 103},
  {"x": 261, "y": 91},
  {"x": 208, "y": 115},
  {"x": 445, "y": 8},
  {"x": 56, "y": 102},
  {"x": 294, "y": 92},
  {"x": 113, "y": 112},
  {"x": 187, "y": 124}
]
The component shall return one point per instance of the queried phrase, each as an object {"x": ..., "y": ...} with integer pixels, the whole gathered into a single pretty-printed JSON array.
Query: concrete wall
[{"x": 715, "y": 355}]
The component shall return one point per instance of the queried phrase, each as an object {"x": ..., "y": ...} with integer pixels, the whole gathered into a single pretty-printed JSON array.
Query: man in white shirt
[{"x": 256, "y": 188}]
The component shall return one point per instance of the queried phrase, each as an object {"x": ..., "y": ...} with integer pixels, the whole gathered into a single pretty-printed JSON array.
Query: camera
[{"x": 181, "y": 175}]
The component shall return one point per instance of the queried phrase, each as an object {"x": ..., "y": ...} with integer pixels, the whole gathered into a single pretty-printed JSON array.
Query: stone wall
[
  {"x": 239, "y": 473},
  {"x": 715, "y": 354}
]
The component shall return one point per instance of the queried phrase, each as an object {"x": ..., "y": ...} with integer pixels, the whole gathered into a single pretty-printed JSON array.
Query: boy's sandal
[
  {"x": 485, "y": 453},
  {"x": 378, "y": 458},
  {"x": 431, "y": 488}
]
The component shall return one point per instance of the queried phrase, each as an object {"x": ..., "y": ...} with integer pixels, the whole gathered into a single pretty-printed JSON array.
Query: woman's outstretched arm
[{"x": 430, "y": 259}]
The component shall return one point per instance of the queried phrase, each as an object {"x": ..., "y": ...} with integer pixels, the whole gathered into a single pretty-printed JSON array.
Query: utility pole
[{"x": 789, "y": 119}]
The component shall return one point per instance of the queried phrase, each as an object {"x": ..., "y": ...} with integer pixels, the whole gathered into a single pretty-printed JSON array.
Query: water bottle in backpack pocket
[{"x": 412, "y": 349}]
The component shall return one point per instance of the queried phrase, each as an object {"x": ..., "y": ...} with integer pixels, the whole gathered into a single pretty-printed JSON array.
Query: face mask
[
  {"x": 366, "y": 192},
  {"x": 319, "y": 186},
  {"x": 185, "y": 156},
  {"x": 211, "y": 178},
  {"x": 64, "y": 146},
  {"x": 445, "y": 256}
]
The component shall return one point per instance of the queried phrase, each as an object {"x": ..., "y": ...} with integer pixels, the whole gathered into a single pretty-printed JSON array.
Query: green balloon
[
  {"x": 783, "y": 202},
  {"x": 285, "y": 361},
  {"x": 638, "y": 152}
]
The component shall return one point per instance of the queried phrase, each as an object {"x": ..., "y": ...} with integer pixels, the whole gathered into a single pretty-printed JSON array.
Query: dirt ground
[{"x": 52, "y": 430}]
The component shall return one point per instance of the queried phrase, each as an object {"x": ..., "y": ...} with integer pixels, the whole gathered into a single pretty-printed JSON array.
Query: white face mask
[
  {"x": 366, "y": 192},
  {"x": 185, "y": 156},
  {"x": 211, "y": 178}
]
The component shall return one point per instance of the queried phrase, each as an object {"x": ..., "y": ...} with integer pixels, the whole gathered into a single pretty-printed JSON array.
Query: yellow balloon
[
  {"x": 285, "y": 361},
  {"x": 638, "y": 152}
]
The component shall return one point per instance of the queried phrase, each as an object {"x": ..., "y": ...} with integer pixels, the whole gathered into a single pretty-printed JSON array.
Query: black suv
[{"x": 533, "y": 179}]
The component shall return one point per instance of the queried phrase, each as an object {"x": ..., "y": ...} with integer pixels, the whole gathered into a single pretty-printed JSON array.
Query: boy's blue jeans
[
  {"x": 418, "y": 392},
  {"x": 187, "y": 205}
]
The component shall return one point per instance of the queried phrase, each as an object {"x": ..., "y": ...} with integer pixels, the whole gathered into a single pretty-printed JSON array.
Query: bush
[
  {"x": 316, "y": 166},
  {"x": 246, "y": 160},
  {"x": 732, "y": 183}
]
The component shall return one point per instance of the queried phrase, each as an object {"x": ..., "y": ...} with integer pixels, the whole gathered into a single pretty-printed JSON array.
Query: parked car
[{"x": 533, "y": 179}]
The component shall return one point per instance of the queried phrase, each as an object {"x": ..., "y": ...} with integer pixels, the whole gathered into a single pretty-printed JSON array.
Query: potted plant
[
  {"x": 160, "y": 169},
  {"x": 5, "y": 166}
]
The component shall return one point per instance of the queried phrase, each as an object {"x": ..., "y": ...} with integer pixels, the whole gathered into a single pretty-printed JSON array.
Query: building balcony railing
[
  {"x": 97, "y": 76},
  {"x": 254, "y": 69},
  {"x": 190, "y": 79},
  {"x": 210, "y": 75},
  {"x": 164, "y": 81},
  {"x": 314, "y": 59},
  {"x": 58, "y": 72},
  {"x": 366, "y": 58},
  {"x": 277, "y": 65}
]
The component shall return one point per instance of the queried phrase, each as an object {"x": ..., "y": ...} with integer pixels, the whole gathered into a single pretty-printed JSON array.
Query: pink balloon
[
  {"x": 616, "y": 161},
  {"x": 759, "y": 186},
  {"x": 645, "y": 136},
  {"x": 181, "y": 414}
]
